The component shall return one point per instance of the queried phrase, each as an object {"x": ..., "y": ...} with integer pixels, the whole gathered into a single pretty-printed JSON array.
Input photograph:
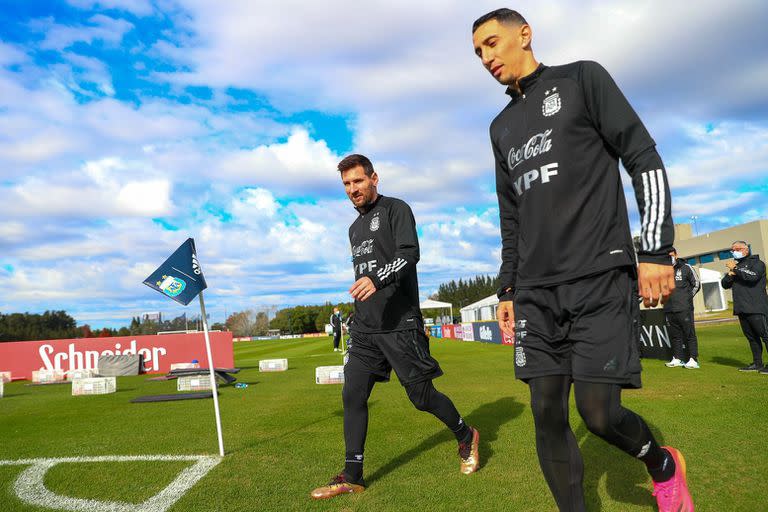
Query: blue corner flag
[{"x": 180, "y": 276}]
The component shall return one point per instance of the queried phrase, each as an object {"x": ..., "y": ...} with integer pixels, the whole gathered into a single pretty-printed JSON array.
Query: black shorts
[
  {"x": 405, "y": 351},
  {"x": 588, "y": 328}
]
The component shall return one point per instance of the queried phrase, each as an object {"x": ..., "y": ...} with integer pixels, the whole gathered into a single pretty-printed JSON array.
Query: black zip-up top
[
  {"x": 687, "y": 285},
  {"x": 385, "y": 247},
  {"x": 557, "y": 146},
  {"x": 336, "y": 322},
  {"x": 748, "y": 283}
]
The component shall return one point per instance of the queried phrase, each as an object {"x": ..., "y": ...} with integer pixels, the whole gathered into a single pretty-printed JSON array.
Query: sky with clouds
[{"x": 127, "y": 126}]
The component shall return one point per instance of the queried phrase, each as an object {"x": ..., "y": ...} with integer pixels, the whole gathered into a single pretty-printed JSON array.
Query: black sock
[
  {"x": 426, "y": 398},
  {"x": 600, "y": 407},
  {"x": 660, "y": 464},
  {"x": 463, "y": 433},
  {"x": 353, "y": 467}
]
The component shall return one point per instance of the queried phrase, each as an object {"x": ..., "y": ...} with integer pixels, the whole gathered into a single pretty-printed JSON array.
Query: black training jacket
[
  {"x": 749, "y": 295},
  {"x": 687, "y": 285},
  {"x": 385, "y": 247},
  {"x": 335, "y": 322},
  {"x": 563, "y": 214}
]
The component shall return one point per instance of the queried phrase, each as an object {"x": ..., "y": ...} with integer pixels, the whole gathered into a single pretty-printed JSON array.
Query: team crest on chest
[
  {"x": 375, "y": 223},
  {"x": 552, "y": 103}
]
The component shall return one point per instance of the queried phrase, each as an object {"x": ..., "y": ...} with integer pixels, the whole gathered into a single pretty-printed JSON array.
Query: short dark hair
[
  {"x": 503, "y": 15},
  {"x": 356, "y": 160}
]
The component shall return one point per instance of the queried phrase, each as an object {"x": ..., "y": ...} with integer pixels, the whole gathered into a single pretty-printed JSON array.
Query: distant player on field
[
  {"x": 336, "y": 324},
  {"x": 569, "y": 283},
  {"x": 388, "y": 329}
]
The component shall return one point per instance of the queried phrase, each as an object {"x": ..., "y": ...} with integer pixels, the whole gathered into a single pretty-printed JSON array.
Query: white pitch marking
[{"x": 29, "y": 486}]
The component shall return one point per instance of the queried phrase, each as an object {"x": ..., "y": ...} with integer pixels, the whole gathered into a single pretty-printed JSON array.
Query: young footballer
[
  {"x": 388, "y": 329},
  {"x": 569, "y": 272}
]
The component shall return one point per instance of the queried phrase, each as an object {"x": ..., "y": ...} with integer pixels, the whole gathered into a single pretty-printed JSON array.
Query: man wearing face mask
[
  {"x": 678, "y": 311},
  {"x": 746, "y": 276}
]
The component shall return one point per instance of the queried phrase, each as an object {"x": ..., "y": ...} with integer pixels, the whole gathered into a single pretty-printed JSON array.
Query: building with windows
[{"x": 710, "y": 252}]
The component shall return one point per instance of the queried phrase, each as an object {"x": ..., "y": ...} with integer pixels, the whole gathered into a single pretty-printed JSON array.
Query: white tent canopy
[
  {"x": 436, "y": 304},
  {"x": 484, "y": 309}
]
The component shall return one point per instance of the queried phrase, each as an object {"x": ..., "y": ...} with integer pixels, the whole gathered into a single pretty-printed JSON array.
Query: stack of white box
[
  {"x": 81, "y": 374},
  {"x": 329, "y": 375},
  {"x": 184, "y": 366},
  {"x": 194, "y": 383},
  {"x": 273, "y": 365},
  {"x": 42, "y": 376},
  {"x": 94, "y": 386}
]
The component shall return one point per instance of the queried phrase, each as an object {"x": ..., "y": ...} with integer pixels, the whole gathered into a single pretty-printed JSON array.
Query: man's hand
[
  {"x": 506, "y": 315},
  {"x": 655, "y": 282},
  {"x": 362, "y": 289},
  {"x": 731, "y": 265}
]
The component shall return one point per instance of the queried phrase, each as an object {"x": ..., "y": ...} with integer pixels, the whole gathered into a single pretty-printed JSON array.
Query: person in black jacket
[
  {"x": 746, "y": 276},
  {"x": 569, "y": 273},
  {"x": 336, "y": 325},
  {"x": 678, "y": 311},
  {"x": 388, "y": 329}
]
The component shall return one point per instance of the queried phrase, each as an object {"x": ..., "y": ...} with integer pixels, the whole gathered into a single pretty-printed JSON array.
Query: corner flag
[{"x": 180, "y": 276}]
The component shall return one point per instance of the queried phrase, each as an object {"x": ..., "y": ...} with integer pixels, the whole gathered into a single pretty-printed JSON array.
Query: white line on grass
[{"x": 29, "y": 486}]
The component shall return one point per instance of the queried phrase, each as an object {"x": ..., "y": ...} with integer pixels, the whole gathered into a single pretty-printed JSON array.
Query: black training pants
[
  {"x": 755, "y": 328},
  {"x": 682, "y": 331}
]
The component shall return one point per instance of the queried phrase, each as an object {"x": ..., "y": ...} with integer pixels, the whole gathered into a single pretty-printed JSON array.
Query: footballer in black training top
[
  {"x": 388, "y": 331},
  {"x": 569, "y": 277}
]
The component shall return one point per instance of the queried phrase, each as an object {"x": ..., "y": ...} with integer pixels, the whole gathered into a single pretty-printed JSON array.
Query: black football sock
[
  {"x": 357, "y": 389},
  {"x": 426, "y": 398},
  {"x": 600, "y": 406},
  {"x": 353, "y": 467}
]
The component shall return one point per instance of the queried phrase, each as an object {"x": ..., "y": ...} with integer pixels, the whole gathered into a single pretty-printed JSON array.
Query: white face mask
[{"x": 737, "y": 254}]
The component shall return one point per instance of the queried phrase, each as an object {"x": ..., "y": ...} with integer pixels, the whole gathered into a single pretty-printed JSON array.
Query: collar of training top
[
  {"x": 526, "y": 82},
  {"x": 368, "y": 207}
]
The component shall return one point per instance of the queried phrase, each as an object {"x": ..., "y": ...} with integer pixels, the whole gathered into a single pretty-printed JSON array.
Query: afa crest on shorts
[
  {"x": 552, "y": 103},
  {"x": 520, "y": 356},
  {"x": 375, "y": 223}
]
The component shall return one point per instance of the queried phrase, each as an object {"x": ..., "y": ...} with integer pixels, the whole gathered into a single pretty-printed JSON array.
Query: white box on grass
[
  {"x": 329, "y": 375},
  {"x": 5, "y": 376},
  {"x": 80, "y": 374},
  {"x": 42, "y": 376},
  {"x": 184, "y": 366},
  {"x": 273, "y": 365},
  {"x": 194, "y": 383},
  {"x": 94, "y": 386}
]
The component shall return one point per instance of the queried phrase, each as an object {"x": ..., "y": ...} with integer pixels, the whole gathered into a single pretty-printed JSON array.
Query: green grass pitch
[{"x": 283, "y": 436}]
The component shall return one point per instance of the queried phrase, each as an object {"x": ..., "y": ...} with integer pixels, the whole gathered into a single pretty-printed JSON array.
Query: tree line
[
  {"x": 464, "y": 292},
  {"x": 53, "y": 325},
  {"x": 293, "y": 320}
]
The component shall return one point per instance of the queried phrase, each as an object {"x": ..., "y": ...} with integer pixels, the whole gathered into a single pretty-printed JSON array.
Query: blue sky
[{"x": 128, "y": 125}]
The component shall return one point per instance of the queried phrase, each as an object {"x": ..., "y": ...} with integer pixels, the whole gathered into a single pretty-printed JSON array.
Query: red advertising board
[
  {"x": 159, "y": 351},
  {"x": 448, "y": 331}
]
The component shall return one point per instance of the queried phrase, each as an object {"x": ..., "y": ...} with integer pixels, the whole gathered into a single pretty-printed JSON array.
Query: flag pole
[{"x": 213, "y": 375}]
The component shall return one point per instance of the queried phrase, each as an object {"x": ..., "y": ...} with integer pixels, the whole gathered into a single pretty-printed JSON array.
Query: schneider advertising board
[{"x": 159, "y": 352}]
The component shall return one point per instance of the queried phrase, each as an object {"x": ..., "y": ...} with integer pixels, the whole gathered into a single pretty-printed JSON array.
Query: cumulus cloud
[{"x": 103, "y": 189}]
